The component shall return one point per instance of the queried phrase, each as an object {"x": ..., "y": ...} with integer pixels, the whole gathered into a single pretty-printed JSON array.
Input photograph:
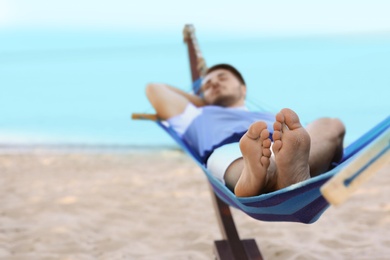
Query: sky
[
  {"x": 47, "y": 59},
  {"x": 278, "y": 17}
]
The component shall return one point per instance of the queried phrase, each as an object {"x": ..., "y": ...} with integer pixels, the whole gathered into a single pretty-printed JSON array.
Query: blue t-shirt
[{"x": 217, "y": 126}]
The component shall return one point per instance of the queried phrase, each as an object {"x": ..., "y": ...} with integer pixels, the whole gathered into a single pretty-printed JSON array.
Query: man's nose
[{"x": 215, "y": 83}]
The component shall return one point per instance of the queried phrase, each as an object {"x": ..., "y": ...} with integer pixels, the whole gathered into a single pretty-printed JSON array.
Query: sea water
[{"x": 80, "y": 88}]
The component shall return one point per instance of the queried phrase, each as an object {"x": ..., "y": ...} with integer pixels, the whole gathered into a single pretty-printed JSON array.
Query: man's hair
[{"x": 228, "y": 67}]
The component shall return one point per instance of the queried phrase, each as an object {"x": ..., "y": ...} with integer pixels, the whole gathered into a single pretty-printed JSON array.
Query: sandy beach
[{"x": 76, "y": 204}]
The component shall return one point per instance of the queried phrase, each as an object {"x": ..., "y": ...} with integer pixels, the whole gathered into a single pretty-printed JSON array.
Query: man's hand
[{"x": 169, "y": 101}]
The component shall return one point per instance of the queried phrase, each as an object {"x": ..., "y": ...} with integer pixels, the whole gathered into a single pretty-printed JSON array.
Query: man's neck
[{"x": 237, "y": 105}]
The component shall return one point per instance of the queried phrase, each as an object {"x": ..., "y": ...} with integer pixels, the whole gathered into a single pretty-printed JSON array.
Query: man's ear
[{"x": 244, "y": 90}]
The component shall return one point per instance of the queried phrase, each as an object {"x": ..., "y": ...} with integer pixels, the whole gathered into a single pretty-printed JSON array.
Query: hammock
[{"x": 303, "y": 202}]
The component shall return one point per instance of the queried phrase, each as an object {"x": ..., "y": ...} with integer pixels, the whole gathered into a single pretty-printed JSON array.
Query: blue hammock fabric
[{"x": 301, "y": 202}]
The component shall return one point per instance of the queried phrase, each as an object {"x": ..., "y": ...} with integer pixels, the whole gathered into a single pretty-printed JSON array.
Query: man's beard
[
  {"x": 228, "y": 100},
  {"x": 225, "y": 101}
]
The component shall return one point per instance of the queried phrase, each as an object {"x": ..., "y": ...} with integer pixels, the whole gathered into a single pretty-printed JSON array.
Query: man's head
[{"x": 224, "y": 86}]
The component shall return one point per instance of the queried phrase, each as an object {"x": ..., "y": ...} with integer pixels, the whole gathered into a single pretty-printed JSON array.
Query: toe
[
  {"x": 267, "y": 153},
  {"x": 265, "y": 161},
  {"x": 277, "y": 146},
  {"x": 291, "y": 119},
  {"x": 255, "y": 130},
  {"x": 267, "y": 143},
  {"x": 264, "y": 134},
  {"x": 280, "y": 116},
  {"x": 278, "y": 126},
  {"x": 277, "y": 135}
]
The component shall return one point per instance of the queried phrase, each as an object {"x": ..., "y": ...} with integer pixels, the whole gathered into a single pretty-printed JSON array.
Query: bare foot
[
  {"x": 255, "y": 147},
  {"x": 291, "y": 149}
]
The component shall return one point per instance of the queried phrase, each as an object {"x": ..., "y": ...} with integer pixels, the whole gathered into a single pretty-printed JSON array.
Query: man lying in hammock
[{"x": 251, "y": 152}]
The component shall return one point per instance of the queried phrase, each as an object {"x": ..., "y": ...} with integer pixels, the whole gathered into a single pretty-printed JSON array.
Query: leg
[
  {"x": 327, "y": 135},
  {"x": 298, "y": 154},
  {"x": 261, "y": 173}
]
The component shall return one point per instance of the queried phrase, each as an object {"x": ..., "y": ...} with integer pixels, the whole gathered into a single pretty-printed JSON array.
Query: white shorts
[{"x": 221, "y": 159}]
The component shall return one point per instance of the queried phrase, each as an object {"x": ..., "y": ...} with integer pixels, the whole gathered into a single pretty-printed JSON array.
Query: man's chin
[{"x": 224, "y": 102}]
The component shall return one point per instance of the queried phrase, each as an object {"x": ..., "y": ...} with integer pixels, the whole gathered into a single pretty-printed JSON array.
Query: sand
[{"x": 76, "y": 204}]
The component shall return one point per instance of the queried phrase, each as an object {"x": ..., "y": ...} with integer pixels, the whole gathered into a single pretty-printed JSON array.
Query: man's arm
[{"x": 169, "y": 101}]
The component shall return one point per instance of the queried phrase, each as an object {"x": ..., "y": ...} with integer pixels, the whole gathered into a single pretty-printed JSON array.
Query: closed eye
[{"x": 222, "y": 76}]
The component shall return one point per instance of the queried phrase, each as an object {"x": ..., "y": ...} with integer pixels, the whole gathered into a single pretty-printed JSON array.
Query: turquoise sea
[{"x": 80, "y": 88}]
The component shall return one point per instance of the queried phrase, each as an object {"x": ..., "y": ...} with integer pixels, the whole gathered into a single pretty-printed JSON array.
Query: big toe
[
  {"x": 290, "y": 118},
  {"x": 256, "y": 129}
]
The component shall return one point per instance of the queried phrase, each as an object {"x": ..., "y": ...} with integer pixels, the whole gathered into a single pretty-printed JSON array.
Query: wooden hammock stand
[{"x": 231, "y": 247}]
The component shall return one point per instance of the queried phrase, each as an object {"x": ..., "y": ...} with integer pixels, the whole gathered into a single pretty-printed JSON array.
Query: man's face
[{"x": 221, "y": 88}]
